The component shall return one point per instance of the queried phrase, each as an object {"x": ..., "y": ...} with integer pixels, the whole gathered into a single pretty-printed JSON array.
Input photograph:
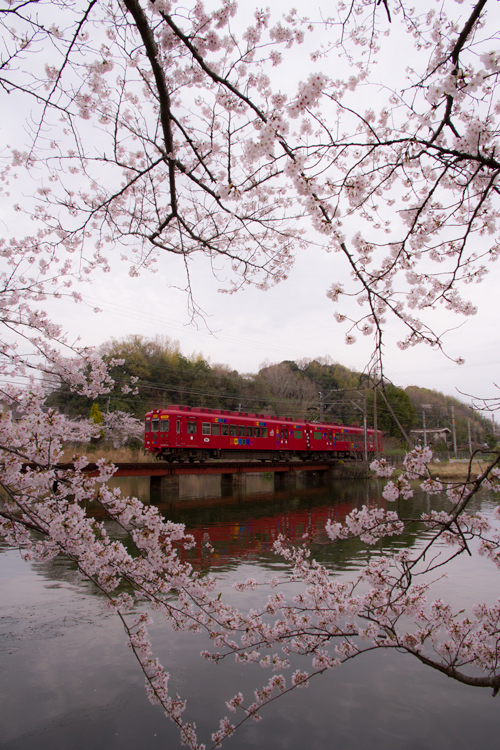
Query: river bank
[{"x": 457, "y": 470}]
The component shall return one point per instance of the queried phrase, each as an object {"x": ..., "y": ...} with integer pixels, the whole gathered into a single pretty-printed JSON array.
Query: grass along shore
[
  {"x": 114, "y": 455},
  {"x": 457, "y": 470}
]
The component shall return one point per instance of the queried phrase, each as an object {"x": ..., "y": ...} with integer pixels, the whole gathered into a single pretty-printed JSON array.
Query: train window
[
  {"x": 147, "y": 427},
  {"x": 298, "y": 434},
  {"x": 249, "y": 431},
  {"x": 191, "y": 428},
  {"x": 224, "y": 429},
  {"x": 216, "y": 429},
  {"x": 264, "y": 432},
  {"x": 155, "y": 423},
  {"x": 233, "y": 430},
  {"x": 317, "y": 436},
  {"x": 241, "y": 430},
  {"x": 178, "y": 426},
  {"x": 205, "y": 428},
  {"x": 257, "y": 431},
  {"x": 164, "y": 425}
]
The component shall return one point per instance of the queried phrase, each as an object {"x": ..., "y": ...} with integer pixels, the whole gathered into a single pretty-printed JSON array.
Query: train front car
[
  {"x": 156, "y": 432},
  {"x": 186, "y": 433},
  {"x": 169, "y": 435}
]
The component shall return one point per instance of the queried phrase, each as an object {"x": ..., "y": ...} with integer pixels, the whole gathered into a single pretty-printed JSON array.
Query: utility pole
[
  {"x": 408, "y": 439},
  {"x": 375, "y": 419},
  {"x": 365, "y": 434},
  {"x": 322, "y": 401},
  {"x": 454, "y": 431},
  {"x": 425, "y": 431},
  {"x": 470, "y": 439}
]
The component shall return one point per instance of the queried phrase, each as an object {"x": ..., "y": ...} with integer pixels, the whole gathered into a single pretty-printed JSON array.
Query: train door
[
  {"x": 283, "y": 432},
  {"x": 180, "y": 431},
  {"x": 191, "y": 434},
  {"x": 155, "y": 428}
]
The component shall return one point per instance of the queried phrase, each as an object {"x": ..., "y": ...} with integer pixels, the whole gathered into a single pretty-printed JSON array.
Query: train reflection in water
[{"x": 242, "y": 525}]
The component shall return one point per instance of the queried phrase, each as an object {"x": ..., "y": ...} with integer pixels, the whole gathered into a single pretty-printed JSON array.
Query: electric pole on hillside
[
  {"x": 454, "y": 431},
  {"x": 365, "y": 432},
  {"x": 323, "y": 403}
]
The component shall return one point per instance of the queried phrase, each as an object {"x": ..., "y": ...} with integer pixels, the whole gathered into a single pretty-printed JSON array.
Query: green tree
[
  {"x": 154, "y": 373},
  {"x": 96, "y": 416},
  {"x": 402, "y": 407}
]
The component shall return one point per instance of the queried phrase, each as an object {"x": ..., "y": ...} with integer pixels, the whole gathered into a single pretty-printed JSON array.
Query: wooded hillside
[{"x": 317, "y": 389}]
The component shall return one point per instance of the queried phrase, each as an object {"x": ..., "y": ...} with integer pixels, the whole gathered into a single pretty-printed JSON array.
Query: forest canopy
[{"x": 319, "y": 388}]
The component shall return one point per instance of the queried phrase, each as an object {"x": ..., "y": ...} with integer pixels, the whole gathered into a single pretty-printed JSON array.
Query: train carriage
[{"x": 185, "y": 433}]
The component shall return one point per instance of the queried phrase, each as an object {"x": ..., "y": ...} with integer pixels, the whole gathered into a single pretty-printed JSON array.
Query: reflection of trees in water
[
  {"x": 62, "y": 569},
  {"x": 241, "y": 526}
]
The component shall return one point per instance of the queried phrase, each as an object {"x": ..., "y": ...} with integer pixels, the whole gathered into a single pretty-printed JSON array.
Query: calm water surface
[{"x": 67, "y": 679}]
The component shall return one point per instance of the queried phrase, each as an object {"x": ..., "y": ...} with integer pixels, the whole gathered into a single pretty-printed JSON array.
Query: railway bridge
[{"x": 166, "y": 476}]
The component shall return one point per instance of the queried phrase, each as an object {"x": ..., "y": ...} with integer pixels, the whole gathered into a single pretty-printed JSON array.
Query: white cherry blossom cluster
[{"x": 308, "y": 95}]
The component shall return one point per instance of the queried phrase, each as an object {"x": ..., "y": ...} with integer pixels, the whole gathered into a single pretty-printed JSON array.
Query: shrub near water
[{"x": 110, "y": 454}]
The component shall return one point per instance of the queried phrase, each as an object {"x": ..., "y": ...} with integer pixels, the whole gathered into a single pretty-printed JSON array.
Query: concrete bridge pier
[
  {"x": 234, "y": 481},
  {"x": 314, "y": 478},
  {"x": 324, "y": 476},
  {"x": 309, "y": 478},
  {"x": 168, "y": 483},
  {"x": 285, "y": 480},
  {"x": 333, "y": 473}
]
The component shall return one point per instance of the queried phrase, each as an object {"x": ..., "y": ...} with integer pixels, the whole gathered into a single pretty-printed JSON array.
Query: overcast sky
[{"x": 291, "y": 321}]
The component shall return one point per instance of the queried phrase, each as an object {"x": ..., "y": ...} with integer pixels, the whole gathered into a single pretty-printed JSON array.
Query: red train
[{"x": 186, "y": 433}]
